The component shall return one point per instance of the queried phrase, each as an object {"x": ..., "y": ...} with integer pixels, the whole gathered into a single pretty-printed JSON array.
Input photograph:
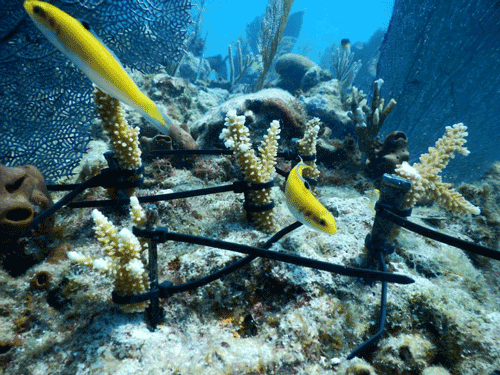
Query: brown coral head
[
  {"x": 183, "y": 138},
  {"x": 386, "y": 156},
  {"x": 23, "y": 195},
  {"x": 394, "y": 149},
  {"x": 277, "y": 108}
]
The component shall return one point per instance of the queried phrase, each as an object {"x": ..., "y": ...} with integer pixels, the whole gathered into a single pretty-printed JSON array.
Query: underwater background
[{"x": 406, "y": 87}]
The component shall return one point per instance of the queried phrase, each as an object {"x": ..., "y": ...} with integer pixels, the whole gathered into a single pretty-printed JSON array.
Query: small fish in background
[
  {"x": 346, "y": 44},
  {"x": 303, "y": 204},
  {"x": 76, "y": 40},
  {"x": 372, "y": 196}
]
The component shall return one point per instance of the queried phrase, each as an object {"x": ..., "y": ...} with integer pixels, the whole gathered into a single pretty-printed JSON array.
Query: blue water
[{"x": 324, "y": 22}]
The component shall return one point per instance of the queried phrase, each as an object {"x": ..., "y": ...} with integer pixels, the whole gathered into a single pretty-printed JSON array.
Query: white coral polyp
[
  {"x": 98, "y": 217},
  {"x": 408, "y": 171},
  {"x": 75, "y": 256},
  {"x": 129, "y": 241},
  {"x": 136, "y": 212},
  {"x": 244, "y": 147},
  {"x": 101, "y": 264},
  {"x": 136, "y": 267}
]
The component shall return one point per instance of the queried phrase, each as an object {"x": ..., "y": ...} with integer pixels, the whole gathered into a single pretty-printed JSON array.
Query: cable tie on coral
[
  {"x": 157, "y": 235},
  {"x": 249, "y": 207},
  {"x": 114, "y": 166},
  {"x": 378, "y": 247},
  {"x": 261, "y": 186},
  {"x": 134, "y": 298},
  {"x": 240, "y": 186},
  {"x": 404, "y": 212}
]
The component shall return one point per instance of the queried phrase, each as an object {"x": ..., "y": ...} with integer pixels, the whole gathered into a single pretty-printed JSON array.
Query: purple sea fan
[{"x": 46, "y": 105}]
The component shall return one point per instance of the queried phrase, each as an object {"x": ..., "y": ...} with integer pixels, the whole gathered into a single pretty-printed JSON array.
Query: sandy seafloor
[{"x": 269, "y": 317}]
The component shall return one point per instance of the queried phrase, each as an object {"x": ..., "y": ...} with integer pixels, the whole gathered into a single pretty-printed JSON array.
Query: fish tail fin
[{"x": 159, "y": 119}]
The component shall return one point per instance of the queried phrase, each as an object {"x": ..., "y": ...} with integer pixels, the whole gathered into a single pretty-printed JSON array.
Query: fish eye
[
  {"x": 38, "y": 10},
  {"x": 52, "y": 23},
  {"x": 321, "y": 222},
  {"x": 86, "y": 25}
]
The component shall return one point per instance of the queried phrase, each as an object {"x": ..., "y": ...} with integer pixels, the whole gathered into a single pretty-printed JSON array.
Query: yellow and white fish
[
  {"x": 303, "y": 205},
  {"x": 77, "y": 41}
]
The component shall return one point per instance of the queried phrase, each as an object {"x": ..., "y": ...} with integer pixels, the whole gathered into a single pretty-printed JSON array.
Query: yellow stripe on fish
[
  {"x": 76, "y": 40},
  {"x": 303, "y": 205}
]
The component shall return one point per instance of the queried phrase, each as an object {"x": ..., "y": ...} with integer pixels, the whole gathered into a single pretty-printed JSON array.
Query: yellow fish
[
  {"x": 303, "y": 205},
  {"x": 77, "y": 41}
]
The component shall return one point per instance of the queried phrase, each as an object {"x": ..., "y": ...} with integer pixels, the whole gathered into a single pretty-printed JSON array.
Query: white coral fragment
[{"x": 425, "y": 174}]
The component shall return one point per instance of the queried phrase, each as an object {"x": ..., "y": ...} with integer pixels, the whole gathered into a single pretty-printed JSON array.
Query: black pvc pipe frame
[{"x": 111, "y": 175}]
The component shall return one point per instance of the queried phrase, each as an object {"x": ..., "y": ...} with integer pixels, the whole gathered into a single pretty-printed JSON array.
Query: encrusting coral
[
  {"x": 424, "y": 175},
  {"x": 124, "y": 140},
  {"x": 123, "y": 255},
  {"x": 257, "y": 169}
]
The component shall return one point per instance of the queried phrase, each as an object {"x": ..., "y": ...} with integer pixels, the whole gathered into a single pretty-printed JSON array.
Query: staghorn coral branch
[
  {"x": 425, "y": 178},
  {"x": 257, "y": 169}
]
